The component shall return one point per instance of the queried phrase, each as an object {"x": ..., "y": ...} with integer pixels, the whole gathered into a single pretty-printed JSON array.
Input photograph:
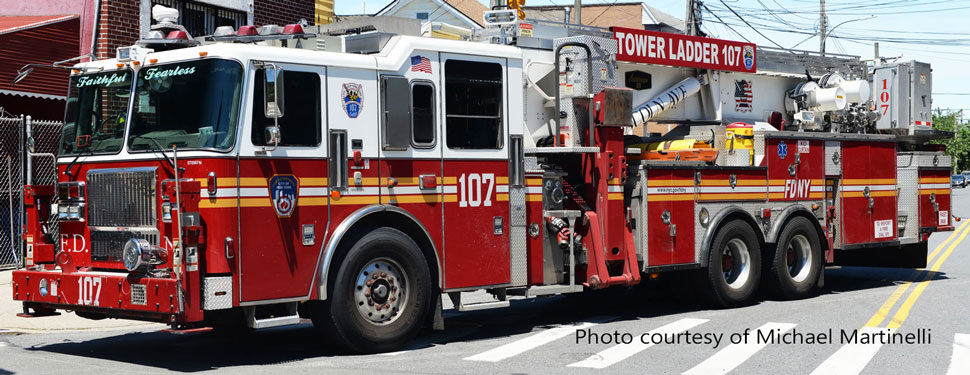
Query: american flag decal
[
  {"x": 420, "y": 64},
  {"x": 742, "y": 96}
]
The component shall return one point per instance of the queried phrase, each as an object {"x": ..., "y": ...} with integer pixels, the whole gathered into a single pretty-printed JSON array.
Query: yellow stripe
[
  {"x": 614, "y": 196},
  {"x": 538, "y": 198},
  {"x": 873, "y": 181},
  {"x": 252, "y": 182},
  {"x": 502, "y": 197},
  {"x": 731, "y": 196},
  {"x": 311, "y": 201},
  {"x": 254, "y": 202},
  {"x": 874, "y": 194},
  {"x": 502, "y": 180},
  {"x": 451, "y": 180},
  {"x": 533, "y": 182},
  {"x": 669, "y": 197},
  {"x": 223, "y": 203},
  {"x": 614, "y": 181},
  {"x": 365, "y": 181},
  {"x": 728, "y": 183},
  {"x": 934, "y": 191},
  {"x": 313, "y": 181},
  {"x": 883, "y": 311},
  {"x": 903, "y": 312},
  {"x": 350, "y": 199},
  {"x": 427, "y": 198},
  {"x": 782, "y": 182},
  {"x": 668, "y": 183},
  {"x": 934, "y": 180},
  {"x": 776, "y": 196}
]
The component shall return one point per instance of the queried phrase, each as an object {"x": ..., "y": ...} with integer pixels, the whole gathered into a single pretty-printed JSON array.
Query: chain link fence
[{"x": 15, "y": 162}]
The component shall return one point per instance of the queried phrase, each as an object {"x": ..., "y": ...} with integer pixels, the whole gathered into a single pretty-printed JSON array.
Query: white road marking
[
  {"x": 960, "y": 361},
  {"x": 851, "y": 359},
  {"x": 617, "y": 353},
  {"x": 396, "y": 353},
  {"x": 521, "y": 346},
  {"x": 734, "y": 355}
]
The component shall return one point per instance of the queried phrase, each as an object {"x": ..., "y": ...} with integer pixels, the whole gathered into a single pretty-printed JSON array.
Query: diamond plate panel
[
  {"x": 517, "y": 236},
  {"x": 833, "y": 158},
  {"x": 908, "y": 198},
  {"x": 217, "y": 293},
  {"x": 574, "y": 84}
]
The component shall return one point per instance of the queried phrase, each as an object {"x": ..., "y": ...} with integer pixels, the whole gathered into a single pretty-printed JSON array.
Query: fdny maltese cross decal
[
  {"x": 353, "y": 99},
  {"x": 284, "y": 189}
]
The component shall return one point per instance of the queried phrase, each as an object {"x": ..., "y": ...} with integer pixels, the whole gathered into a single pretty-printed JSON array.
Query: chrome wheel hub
[
  {"x": 736, "y": 263},
  {"x": 379, "y": 291},
  {"x": 799, "y": 258}
]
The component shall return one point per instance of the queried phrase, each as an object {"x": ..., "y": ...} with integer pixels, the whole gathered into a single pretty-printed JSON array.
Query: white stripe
[
  {"x": 871, "y": 187},
  {"x": 739, "y": 189},
  {"x": 614, "y": 189},
  {"x": 533, "y": 189},
  {"x": 521, "y": 346},
  {"x": 850, "y": 359},
  {"x": 451, "y": 189},
  {"x": 671, "y": 190},
  {"x": 934, "y": 186},
  {"x": 776, "y": 189},
  {"x": 960, "y": 361},
  {"x": 362, "y": 190},
  {"x": 313, "y": 192},
  {"x": 409, "y": 190},
  {"x": 617, "y": 353},
  {"x": 817, "y": 188},
  {"x": 734, "y": 355},
  {"x": 250, "y": 192},
  {"x": 502, "y": 189}
]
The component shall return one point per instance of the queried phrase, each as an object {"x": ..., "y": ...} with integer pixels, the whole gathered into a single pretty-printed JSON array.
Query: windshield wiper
[
  {"x": 159, "y": 147},
  {"x": 82, "y": 152}
]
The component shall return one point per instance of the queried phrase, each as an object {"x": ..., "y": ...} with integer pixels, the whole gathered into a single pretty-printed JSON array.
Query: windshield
[
  {"x": 94, "y": 120},
  {"x": 192, "y": 105}
]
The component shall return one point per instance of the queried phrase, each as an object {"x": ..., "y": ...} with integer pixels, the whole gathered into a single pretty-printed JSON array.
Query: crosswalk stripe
[
  {"x": 617, "y": 353},
  {"x": 734, "y": 355},
  {"x": 960, "y": 361},
  {"x": 850, "y": 359},
  {"x": 521, "y": 346}
]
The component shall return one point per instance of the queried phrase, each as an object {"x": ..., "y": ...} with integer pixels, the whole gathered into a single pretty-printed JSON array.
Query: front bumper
[{"x": 112, "y": 294}]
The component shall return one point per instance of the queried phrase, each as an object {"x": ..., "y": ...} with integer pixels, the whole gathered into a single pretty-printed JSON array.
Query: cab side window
[
  {"x": 473, "y": 101},
  {"x": 300, "y": 125}
]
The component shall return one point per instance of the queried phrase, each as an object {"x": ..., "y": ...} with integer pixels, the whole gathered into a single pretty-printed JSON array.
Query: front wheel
[
  {"x": 794, "y": 269},
  {"x": 381, "y": 294},
  {"x": 734, "y": 265}
]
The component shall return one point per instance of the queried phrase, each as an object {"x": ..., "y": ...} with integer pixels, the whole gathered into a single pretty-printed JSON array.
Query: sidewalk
[{"x": 67, "y": 321}]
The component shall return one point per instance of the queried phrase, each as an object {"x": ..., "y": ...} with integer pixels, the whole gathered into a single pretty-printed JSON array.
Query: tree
[{"x": 958, "y": 147}]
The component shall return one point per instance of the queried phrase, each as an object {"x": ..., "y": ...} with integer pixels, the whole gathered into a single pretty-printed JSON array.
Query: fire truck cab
[{"x": 357, "y": 181}]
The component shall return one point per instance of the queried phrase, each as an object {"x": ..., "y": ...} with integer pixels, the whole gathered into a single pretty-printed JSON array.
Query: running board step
[
  {"x": 502, "y": 302},
  {"x": 278, "y": 315},
  {"x": 276, "y": 322}
]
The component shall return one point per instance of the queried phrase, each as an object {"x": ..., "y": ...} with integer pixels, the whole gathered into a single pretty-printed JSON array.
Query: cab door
[
  {"x": 282, "y": 190},
  {"x": 410, "y": 154},
  {"x": 474, "y": 136}
]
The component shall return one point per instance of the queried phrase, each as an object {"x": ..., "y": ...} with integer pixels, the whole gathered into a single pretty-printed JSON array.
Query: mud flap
[
  {"x": 439, "y": 320},
  {"x": 895, "y": 256}
]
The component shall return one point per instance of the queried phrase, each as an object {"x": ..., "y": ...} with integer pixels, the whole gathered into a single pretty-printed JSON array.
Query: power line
[{"x": 752, "y": 27}]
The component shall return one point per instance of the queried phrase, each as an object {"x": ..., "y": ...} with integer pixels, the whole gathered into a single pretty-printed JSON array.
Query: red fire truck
[{"x": 269, "y": 174}]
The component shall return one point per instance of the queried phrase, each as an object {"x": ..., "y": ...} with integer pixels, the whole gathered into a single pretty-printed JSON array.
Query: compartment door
[
  {"x": 934, "y": 199},
  {"x": 670, "y": 217}
]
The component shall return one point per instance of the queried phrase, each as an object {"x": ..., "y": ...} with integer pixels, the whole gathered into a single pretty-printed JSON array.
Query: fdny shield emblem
[
  {"x": 352, "y": 95},
  {"x": 284, "y": 190},
  {"x": 748, "y": 57}
]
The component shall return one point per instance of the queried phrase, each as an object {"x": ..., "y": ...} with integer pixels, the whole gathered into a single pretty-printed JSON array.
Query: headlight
[
  {"x": 43, "y": 287},
  {"x": 704, "y": 217},
  {"x": 138, "y": 254},
  {"x": 167, "y": 212}
]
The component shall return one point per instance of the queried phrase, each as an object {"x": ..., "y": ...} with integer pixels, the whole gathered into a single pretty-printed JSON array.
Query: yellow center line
[
  {"x": 883, "y": 311},
  {"x": 903, "y": 312}
]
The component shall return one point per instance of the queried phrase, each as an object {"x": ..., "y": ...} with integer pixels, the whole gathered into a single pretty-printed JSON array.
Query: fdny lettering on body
[{"x": 797, "y": 188}]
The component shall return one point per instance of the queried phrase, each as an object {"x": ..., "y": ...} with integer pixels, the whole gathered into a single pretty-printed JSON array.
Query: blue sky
[{"x": 927, "y": 25}]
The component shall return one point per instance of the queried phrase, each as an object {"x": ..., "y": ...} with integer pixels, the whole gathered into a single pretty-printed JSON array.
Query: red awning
[{"x": 38, "y": 40}]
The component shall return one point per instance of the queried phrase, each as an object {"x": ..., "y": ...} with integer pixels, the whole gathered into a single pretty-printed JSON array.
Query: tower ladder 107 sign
[{"x": 654, "y": 47}]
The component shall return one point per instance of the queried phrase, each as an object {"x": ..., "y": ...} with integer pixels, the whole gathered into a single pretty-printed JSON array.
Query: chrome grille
[
  {"x": 121, "y": 197},
  {"x": 107, "y": 245}
]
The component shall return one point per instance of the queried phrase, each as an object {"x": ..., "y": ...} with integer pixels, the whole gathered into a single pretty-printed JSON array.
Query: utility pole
[
  {"x": 694, "y": 18},
  {"x": 823, "y": 24},
  {"x": 578, "y": 12}
]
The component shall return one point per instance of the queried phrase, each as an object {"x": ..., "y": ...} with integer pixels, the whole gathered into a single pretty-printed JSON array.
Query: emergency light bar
[{"x": 250, "y": 33}]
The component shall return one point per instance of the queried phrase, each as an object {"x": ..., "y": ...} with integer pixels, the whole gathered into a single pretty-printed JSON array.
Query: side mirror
[
  {"x": 272, "y": 135},
  {"x": 273, "y": 91}
]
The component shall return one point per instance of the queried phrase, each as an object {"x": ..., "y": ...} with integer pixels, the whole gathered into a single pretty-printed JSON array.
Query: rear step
[
  {"x": 502, "y": 302},
  {"x": 289, "y": 316}
]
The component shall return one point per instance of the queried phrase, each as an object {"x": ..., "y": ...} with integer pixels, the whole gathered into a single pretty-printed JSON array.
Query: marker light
[
  {"x": 224, "y": 31},
  {"x": 178, "y": 34},
  {"x": 270, "y": 30}
]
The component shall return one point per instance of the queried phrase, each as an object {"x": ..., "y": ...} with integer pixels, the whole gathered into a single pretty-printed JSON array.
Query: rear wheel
[
  {"x": 734, "y": 265},
  {"x": 794, "y": 269},
  {"x": 381, "y": 294}
]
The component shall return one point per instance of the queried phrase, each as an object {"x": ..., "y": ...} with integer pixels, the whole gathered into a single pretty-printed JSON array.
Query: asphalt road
[{"x": 569, "y": 334}]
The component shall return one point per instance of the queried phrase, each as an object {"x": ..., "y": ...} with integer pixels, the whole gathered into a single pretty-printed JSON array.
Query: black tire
[
  {"x": 794, "y": 268},
  {"x": 732, "y": 284},
  {"x": 402, "y": 289}
]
